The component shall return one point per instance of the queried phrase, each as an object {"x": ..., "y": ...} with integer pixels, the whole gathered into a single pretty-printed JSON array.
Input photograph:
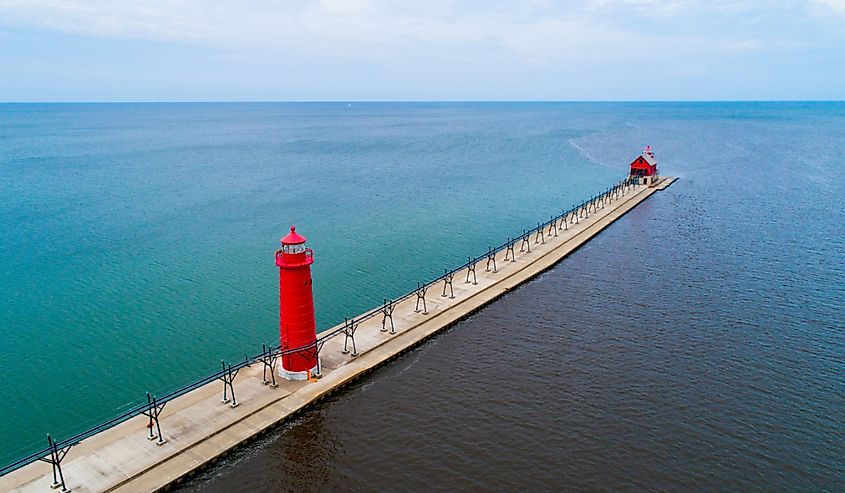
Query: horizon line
[{"x": 349, "y": 101}]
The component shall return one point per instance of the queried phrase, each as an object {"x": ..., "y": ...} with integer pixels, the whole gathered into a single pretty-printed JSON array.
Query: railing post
[
  {"x": 509, "y": 251},
  {"x": 539, "y": 236},
  {"x": 228, "y": 379},
  {"x": 491, "y": 259},
  {"x": 447, "y": 281},
  {"x": 55, "y": 460},
  {"x": 156, "y": 410},
  {"x": 349, "y": 331},
  {"x": 269, "y": 359},
  {"x": 152, "y": 412},
  {"x": 471, "y": 269},
  {"x": 317, "y": 347},
  {"x": 420, "y": 292},
  {"x": 387, "y": 312},
  {"x": 525, "y": 243}
]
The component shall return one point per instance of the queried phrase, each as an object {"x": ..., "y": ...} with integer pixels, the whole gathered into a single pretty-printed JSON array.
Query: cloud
[
  {"x": 535, "y": 30},
  {"x": 539, "y": 41},
  {"x": 250, "y": 23},
  {"x": 838, "y": 5}
]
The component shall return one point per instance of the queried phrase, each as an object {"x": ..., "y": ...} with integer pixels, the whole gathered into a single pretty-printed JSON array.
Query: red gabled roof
[
  {"x": 645, "y": 160},
  {"x": 642, "y": 163}
]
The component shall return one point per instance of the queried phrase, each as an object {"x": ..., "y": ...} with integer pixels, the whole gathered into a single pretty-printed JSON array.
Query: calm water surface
[{"x": 695, "y": 344}]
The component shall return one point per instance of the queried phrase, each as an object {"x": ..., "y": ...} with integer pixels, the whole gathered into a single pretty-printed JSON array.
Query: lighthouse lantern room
[
  {"x": 296, "y": 307},
  {"x": 644, "y": 168}
]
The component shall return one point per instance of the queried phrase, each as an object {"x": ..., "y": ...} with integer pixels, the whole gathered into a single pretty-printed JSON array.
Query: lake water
[{"x": 696, "y": 344}]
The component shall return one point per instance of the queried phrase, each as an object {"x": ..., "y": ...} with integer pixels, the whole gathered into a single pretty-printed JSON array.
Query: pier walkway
[{"x": 198, "y": 428}]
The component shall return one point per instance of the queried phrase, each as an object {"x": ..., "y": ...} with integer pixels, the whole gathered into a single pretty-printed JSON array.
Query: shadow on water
[{"x": 304, "y": 458}]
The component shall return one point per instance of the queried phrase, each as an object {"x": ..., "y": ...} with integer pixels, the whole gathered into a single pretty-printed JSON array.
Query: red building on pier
[{"x": 644, "y": 168}]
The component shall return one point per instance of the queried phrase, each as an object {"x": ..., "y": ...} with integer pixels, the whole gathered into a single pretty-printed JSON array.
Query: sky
[{"x": 341, "y": 50}]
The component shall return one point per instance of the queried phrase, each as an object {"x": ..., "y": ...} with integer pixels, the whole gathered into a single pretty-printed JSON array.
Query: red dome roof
[{"x": 293, "y": 238}]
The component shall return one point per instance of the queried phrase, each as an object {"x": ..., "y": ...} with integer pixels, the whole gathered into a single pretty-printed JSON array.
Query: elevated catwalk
[{"x": 198, "y": 429}]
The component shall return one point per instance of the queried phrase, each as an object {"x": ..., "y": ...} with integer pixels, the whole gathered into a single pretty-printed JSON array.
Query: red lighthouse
[
  {"x": 296, "y": 306},
  {"x": 644, "y": 168}
]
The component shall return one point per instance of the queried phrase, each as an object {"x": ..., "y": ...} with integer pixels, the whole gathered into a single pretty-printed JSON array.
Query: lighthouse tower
[{"x": 296, "y": 307}]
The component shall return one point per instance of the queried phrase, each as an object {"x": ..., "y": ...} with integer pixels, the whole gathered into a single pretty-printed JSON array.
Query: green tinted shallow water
[{"x": 138, "y": 239}]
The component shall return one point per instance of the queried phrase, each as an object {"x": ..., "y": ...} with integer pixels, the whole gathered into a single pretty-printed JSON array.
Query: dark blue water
[{"x": 696, "y": 344}]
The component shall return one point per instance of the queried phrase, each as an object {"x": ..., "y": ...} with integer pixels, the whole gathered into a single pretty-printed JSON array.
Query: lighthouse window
[{"x": 294, "y": 248}]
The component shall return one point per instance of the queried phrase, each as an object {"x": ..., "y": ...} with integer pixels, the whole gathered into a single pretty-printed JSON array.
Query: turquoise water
[{"x": 138, "y": 239}]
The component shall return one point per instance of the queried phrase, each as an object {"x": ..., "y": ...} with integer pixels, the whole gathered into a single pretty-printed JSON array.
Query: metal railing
[{"x": 56, "y": 450}]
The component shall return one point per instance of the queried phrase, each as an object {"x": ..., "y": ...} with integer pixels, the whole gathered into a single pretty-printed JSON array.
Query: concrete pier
[{"x": 199, "y": 429}]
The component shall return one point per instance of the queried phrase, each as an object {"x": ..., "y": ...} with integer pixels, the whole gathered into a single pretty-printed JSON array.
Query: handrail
[{"x": 278, "y": 351}]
